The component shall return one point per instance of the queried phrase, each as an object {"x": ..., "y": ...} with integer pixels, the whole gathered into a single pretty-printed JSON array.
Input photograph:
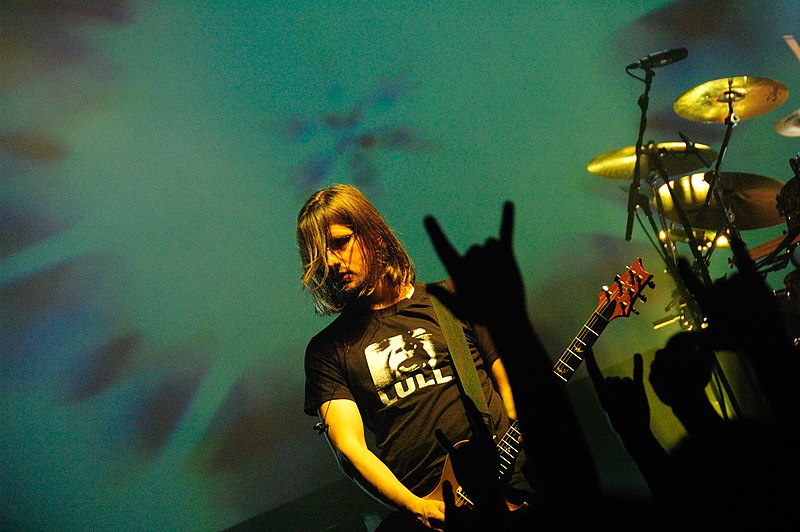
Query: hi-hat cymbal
[
  {"x": 675, "y": 157},
  {"x": 751, "y": 198},
  {"x": 750, "y": 97},
  {"x": 789, "y": 125}
]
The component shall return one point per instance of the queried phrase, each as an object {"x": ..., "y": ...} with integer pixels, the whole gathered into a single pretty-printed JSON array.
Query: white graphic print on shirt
[{"x": 403, "y": 364}]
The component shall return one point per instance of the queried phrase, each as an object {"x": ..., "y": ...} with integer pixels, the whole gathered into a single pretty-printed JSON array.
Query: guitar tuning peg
[
  {"x": 643, "y": 298},
  {"x": 634, "y": 311},
  {"x": 651, "y": 284}
]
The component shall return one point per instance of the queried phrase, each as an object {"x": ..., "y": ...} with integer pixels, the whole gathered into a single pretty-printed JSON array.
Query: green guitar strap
[{"x": 467, "y": 375}]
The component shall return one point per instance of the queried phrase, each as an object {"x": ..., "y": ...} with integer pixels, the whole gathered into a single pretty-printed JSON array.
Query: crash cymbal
[
  {"x": 751, "y": 198},
  {"x": 789, "y": 125},
  {"x": 674, "y": 156},
  {"x": 750, "y": 96}
]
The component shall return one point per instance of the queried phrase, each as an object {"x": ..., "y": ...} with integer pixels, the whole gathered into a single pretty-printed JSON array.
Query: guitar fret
[
  {"x": 511, "y": 451},
  {"x": 570, "y": 367},
  {"x": 597, "y": 334},
  {"x": 600, "y": 314}
]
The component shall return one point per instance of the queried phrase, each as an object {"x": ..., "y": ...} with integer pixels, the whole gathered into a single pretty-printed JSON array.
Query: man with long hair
[{"x": 383, "y": 362}]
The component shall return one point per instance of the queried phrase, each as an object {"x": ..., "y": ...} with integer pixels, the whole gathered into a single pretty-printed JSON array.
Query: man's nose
[{"x": 333, "y": 259}]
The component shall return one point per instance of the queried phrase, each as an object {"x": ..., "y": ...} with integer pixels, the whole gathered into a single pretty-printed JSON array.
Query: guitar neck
[
  {"x": 572, "y": 357},
  {"x": 511, "y": 442},
  {"x": 614, "y": 302}
]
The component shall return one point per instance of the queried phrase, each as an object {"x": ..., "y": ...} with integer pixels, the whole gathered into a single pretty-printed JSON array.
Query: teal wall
[{"x": 154, "y": 155}]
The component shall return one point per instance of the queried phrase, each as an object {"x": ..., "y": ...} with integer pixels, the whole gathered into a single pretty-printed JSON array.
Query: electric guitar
[{"x": 616, "y": 301}]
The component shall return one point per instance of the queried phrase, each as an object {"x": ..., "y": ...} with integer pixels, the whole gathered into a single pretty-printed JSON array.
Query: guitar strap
[{"x": 466, "y": 374}]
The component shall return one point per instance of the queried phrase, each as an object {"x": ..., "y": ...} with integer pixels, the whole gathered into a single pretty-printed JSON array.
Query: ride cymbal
[
  {"x": 789, "y": 125},
  {"x": 675, "y": 157},
  {"x": 750, "y": 96},
  {"x": 751, "y": 198}
]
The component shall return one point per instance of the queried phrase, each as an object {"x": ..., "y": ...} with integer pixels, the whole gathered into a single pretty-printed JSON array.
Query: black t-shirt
[{"x": 395, "y": 365}]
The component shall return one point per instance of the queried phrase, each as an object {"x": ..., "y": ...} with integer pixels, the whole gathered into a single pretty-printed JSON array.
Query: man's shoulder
[
  {"x": 344, "y": 328},
  {"x": 329, "y": 331},
  {"x": 447, "y": 283}
]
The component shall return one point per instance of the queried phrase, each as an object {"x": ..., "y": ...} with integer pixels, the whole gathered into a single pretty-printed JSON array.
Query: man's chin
[{"x": 348, "y": 289}]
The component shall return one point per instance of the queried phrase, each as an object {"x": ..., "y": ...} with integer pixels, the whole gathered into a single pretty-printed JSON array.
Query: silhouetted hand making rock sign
[
  {"x": 487, "y": 278},
  {"x": 490, "y": 290}
]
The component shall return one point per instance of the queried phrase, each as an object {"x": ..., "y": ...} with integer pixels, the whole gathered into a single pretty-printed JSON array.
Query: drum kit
[{"x": 696, "y": 203}]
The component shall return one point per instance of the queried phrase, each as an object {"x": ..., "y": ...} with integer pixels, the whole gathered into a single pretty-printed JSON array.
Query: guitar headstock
[{"x": 618, "y": 299}]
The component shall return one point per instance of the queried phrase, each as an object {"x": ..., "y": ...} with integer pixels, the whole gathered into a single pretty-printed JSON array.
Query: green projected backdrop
[{"x": 154, "y": 155}]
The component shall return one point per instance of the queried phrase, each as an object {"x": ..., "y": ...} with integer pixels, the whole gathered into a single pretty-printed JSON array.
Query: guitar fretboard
[
  {"x": 572, "y": 357},
  {"x": 509, "y": 448}
]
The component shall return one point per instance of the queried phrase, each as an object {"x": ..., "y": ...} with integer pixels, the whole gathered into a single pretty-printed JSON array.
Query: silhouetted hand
[
  {"x": 744, "y": 316},
  {"x": 486, "y": 278},
  {"x": 623, "y": 398},
  {"x": 741, "y": 310}
]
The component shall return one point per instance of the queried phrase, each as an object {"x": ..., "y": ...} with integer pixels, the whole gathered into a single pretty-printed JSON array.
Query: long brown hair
[{"x": 385, "y": 257}]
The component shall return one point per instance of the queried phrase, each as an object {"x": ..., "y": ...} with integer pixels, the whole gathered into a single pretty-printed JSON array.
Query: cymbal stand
[
  {"x": 689, "y": 313},
  {"x": 683, "y": 299},
  {"x": 691, "y": 147},
  {"x": 700, "y": 261},
  {"x": 731, "y": 121},
  {"x": 741, "y": 258}
]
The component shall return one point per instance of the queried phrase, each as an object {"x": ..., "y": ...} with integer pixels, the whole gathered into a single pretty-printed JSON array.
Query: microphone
[{"x": 659, "y": 59}]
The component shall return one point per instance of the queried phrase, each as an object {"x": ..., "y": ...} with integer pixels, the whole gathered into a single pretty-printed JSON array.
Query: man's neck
[{"x": 386, "y": 295}]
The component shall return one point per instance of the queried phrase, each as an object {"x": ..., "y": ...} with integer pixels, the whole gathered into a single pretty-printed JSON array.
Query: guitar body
[{"x": 460, "y": 496}]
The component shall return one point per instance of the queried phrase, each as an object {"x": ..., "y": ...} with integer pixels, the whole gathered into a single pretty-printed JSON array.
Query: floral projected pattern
[{"x": 346, "y": 144}]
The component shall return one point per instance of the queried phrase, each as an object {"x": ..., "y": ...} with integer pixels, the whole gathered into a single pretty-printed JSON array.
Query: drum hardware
[
  {"x": 707, "y": 208},
  {"x": 683, "y": 315},
  {"x": 729, "y": 100},
  {"x": 705, "y": 239},
  {"x": 707, "y": 204},
  {"x": 776, "y": 253},
  {"x": 675, "y": 157},
  {"x": 793, "y": 46},
  {"x": 750, "y": 197},
  {"x": 712, "y": 101},
  {"x": 789, "y": 125}
]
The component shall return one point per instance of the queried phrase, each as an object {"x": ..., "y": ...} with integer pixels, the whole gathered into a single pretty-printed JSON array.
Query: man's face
[{"x": 345, "y": 259}]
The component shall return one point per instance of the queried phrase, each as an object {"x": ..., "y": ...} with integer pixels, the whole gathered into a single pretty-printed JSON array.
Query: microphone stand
[{"x": 633, "y": 193}]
